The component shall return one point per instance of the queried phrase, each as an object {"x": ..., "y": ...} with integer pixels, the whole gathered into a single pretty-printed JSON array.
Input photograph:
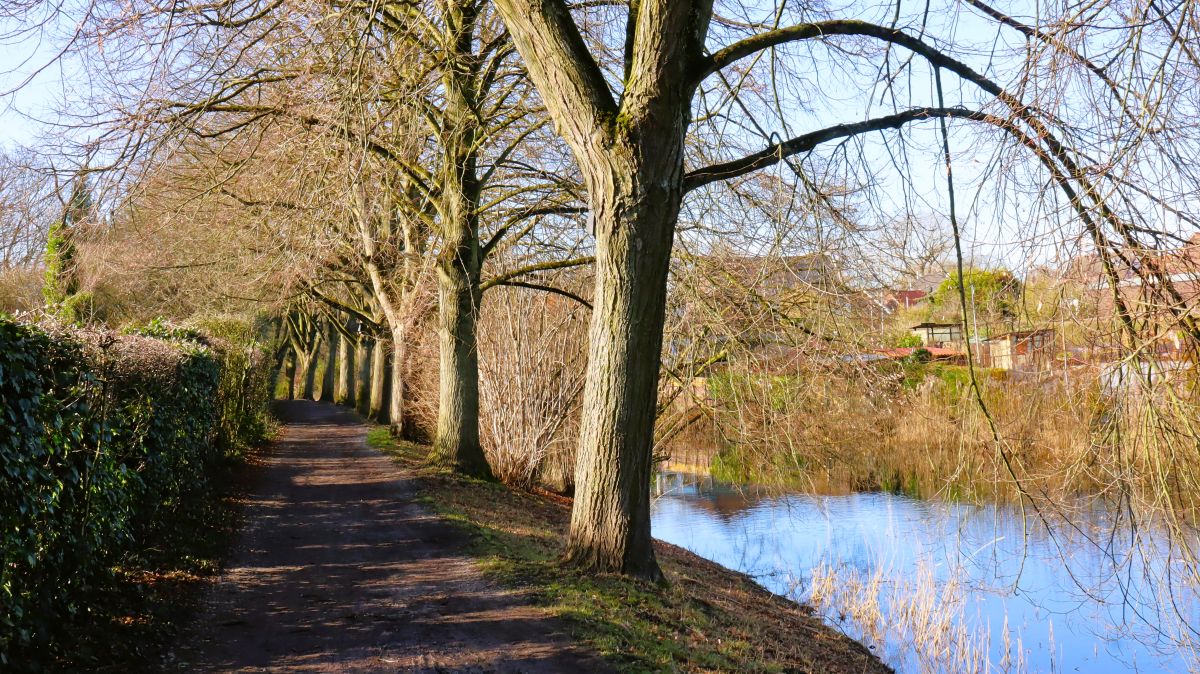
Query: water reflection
[{"x": 1088, "y": 595}]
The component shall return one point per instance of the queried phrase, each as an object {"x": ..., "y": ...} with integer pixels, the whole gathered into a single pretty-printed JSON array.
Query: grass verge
[{"x": 708, "y": 618}]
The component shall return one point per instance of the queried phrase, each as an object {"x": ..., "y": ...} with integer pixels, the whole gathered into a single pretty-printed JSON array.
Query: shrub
[
  {"x": 920, "y": 355},
  {"x": 110, "y": 442},
  {"x": 533, "y": 349},
  {"x": 62, "y": 280},
  {"x": 61, "y": 506},
  {"x": 245, "y": 387}
]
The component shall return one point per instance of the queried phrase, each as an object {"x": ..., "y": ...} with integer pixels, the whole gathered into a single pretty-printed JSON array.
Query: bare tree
[
  {"x": 356, "y": 79},
  {"x": 532, "y": 347},
  {"x": 628, "y": 130},
  {"x": 27, "y": 208}
]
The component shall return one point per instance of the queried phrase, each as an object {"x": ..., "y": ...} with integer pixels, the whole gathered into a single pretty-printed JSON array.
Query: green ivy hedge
[{"x": 106, "y": 441}]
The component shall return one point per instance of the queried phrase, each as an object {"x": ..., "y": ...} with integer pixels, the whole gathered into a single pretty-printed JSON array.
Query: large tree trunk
[
  {"x": 362, "y": 375},
  {"x": 456, "y": 444},
  {"x": 635, "y": 221},
  {"x": 309, "y": 372},
  {"x": 377, "y": 410},
  {"x": 301, "y": 366},
  {"x": 333, "y": 339},
  {"x": 457, "y": 441},
  {"x": 343, "y": 388},
  {"x": 290, "y": 373},
  {"x": 631, "y": 155}
]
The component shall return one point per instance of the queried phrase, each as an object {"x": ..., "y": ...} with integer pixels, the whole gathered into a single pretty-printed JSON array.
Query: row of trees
[{"x": 391, "y": 161}]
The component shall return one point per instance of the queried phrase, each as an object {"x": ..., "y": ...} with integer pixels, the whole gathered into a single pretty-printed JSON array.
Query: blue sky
[
  {"x": 993, "y": 230},
  {"x": 17, "y": 62},
  {"x": 22, "y": 112}
]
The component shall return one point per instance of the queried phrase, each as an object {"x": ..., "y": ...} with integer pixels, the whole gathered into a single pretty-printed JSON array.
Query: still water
[{"x": 1088, "y": 594}]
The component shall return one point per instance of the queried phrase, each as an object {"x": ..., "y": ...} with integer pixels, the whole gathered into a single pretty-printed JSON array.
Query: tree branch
[
  {"x": 540, "y": 266},
  {"x": 774, "y": 154},
  {"x": 808, "y": 31},
  {"x": 523, "y": 215},
  {"x": 567, "y": 76},
  {"x": 342, "y": 306},
  {"x": 548, "y": 289}
]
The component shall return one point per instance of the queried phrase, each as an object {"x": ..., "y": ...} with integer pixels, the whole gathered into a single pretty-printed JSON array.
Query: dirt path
[{"x": 339, "y": 570}]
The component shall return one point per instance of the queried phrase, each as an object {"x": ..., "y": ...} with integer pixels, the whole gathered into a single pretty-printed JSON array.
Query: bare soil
[{"x": 340, "y": 569}]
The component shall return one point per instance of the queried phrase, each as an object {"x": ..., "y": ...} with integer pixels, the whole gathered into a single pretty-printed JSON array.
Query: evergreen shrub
[{"x": 107, "y": 443}]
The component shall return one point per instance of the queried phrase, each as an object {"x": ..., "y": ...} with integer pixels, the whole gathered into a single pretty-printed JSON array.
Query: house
[
  {"x": 901, "y": 300},
  {"x": 938, "y": 334},
  {"x": 1022, "y": 350},
  {"x": 1159, "y": 287}
]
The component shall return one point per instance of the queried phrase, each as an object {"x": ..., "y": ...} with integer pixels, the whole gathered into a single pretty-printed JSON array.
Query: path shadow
[{"x": 340, "y": 569}]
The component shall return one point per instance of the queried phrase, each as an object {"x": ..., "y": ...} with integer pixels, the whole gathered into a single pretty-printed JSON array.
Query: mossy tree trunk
[
  {"x": 304, "y": 337},
  {"x": 362, "y": 374},
  {"x": 332, "y": 341},
  {"x": 457, "y": 441},
  {"x": 377, "y": 409},
  {"x": 309, "y": 372},
  {"x": 610, "y": 521},
  {"x": 343, "y": 388},
  {"x": 456, "y": 444},
  {"x": 289, "y": 371}
]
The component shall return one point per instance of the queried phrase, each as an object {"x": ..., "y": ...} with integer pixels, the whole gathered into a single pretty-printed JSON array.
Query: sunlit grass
[{"x": 707, "y": 618}]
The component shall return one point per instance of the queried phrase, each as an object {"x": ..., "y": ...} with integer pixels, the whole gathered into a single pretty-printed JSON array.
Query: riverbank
[{"x": 708, "y": 619}]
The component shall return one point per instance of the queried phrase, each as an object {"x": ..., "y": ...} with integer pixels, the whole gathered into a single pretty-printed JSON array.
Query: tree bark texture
[
  {"x": 631, "y": 156},
  {"x": 290, "y": 372},
  {"x": 635, "y": 221},
  {"x": 377, "y": 409},
  {"x": 308, "y": 364},
  {"x": 457, "y": 441},
  {"x": 362, "y": 375},
  {"x": 396, "y": 401},
  {"x": 456, "y": 444},
  {"x": 343, "y": 388},
  {"x": 332, "y": 340}
]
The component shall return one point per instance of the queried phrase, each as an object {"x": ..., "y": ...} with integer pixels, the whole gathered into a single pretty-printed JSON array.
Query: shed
[{"x": 937, "y": 334}]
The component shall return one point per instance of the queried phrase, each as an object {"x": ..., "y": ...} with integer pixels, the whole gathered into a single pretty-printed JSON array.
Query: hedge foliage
[{"x": 106, "y": 441}]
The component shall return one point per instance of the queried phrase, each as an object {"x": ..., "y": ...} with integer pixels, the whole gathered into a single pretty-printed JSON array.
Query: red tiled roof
[{"x": 906, "y": 351}]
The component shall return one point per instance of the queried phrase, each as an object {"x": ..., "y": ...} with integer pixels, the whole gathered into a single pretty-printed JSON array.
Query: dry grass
[
  {"x": 918, "y": 620},
  {"x": 1074, "y": 445},
  {"x": 832, "y": 433},
  {"x": 20, "y": 289}
]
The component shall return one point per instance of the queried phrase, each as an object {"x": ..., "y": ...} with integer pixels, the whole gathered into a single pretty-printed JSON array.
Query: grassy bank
[{"x": 707, "y": 619}]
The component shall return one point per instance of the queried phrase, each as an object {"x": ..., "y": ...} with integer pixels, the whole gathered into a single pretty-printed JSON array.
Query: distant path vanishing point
[{"x": 338, "y": 569}]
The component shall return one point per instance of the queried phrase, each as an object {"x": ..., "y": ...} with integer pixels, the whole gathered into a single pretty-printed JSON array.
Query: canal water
[{"x": 946, "y": 587}]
